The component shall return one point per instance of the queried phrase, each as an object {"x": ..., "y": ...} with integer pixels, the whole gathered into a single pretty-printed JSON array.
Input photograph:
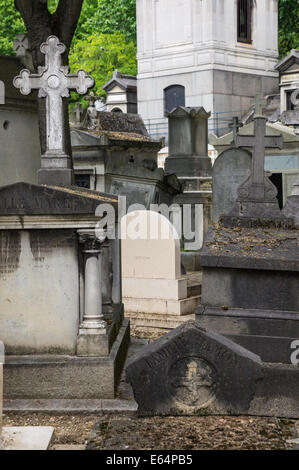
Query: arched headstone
[
  {"x": 154, "y": 291},
  {"x": 230, "y": 169},
  {"x": 150, "y": 246}
]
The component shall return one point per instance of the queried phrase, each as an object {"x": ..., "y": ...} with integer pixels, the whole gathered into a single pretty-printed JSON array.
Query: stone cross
[
  {"x": 295, "y": 98},
  {"x": 259, "y": 102},
  {"x": 54, "y": 82},
  {"x": 21, "y": 45},
  {"x": 235, "y": 126},
  {"x": 78, "y": 113},
  {"x": 258, "y": 142},
  {"x": 92, "y": 98}
]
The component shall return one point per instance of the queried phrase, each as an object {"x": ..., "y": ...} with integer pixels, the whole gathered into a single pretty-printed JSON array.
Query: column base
[
  {"x": 93, "y": 343},
  {"x": 56, "y": 177}
]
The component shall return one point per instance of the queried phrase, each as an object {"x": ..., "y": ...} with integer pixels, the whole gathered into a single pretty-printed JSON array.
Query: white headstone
[{"x": 150, "y": 247}]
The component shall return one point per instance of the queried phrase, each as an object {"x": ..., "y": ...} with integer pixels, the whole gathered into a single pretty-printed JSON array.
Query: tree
[
  {"x": 288, "y": 26},
  {"x": 41, "y": 23},
  {"x": 101, "y": 54},
  {"x": 108, "y": 17}
]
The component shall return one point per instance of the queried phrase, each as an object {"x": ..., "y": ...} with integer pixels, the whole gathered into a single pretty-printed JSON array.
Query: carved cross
[
  {"x": 235, "y": 126},
  {"x": 259, "y": 102},
  {"x": 54, "y": 83},
  {"x": 21, "y": 45},
  {"x": 258, "y": 142}
]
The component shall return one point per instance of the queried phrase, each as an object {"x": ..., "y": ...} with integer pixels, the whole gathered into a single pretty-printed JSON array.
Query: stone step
[
  {"x": 165, "y": 322},
  {"x": 161, "y": 307}
]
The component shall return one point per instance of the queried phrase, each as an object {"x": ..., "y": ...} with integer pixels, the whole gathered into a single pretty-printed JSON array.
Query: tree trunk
[{"x": 41, "y": 24}]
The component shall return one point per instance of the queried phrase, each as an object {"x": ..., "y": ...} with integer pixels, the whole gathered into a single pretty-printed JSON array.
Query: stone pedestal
[
  {"x": 188, "y": 159},
  {"x": 250, "y": 288}
]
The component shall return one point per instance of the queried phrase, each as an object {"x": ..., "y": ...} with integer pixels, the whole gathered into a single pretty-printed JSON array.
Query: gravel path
[{"x": 167, "y": 433}]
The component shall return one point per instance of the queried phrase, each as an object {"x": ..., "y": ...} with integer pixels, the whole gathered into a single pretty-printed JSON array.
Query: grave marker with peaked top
[{"x": 54, "y": 82}]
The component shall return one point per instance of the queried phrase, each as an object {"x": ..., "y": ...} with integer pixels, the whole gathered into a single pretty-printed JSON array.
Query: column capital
[{"x": 91, "y": 240}]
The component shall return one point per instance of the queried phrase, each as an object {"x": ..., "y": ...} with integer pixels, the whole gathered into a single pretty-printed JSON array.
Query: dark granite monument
[{"x": 191, "y": 371}]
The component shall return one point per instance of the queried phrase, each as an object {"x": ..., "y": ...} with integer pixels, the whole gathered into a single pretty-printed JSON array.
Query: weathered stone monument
[
  {"x": 155, "y": 293},
  {"x": 61, "y": 314},
  {"x": 191, "y": 371},
  {"x": 250, "y": 263},
  {"x": 188, "y": 159},
  {"x": 230, "y": 169}
]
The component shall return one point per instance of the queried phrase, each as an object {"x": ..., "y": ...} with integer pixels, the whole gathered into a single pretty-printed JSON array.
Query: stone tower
[{"x": 212, "y": 53}]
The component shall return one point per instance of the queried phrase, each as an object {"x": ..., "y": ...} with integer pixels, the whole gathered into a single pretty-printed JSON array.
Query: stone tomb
[
  {"x": 53, "y": 320},
  {"x": 154, "y": 291},
  {"x": 250, "y": 265}
]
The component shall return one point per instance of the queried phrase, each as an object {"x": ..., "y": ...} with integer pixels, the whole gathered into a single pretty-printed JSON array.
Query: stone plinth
[{"x": 250, "y": 288}]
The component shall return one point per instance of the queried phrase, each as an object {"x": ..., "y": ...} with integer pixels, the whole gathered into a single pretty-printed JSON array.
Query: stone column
[
  {"x": 92, "y": 339},
  {"x": 107, "y": 278}
]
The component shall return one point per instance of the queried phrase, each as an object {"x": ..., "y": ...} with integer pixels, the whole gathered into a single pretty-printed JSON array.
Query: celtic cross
[{"x": 54, "y": 82}]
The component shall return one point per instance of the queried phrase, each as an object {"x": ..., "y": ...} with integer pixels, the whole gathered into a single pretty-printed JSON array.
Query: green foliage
[
  {"x": 288, "y": 26},
  {"x": 101, "y": 54},
  {"x": 11, "y": 24},
  {"x": 108, "y": 17}
]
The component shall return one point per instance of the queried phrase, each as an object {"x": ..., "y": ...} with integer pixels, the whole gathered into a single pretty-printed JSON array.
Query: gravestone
[
  {"x": 191, "y": 371},
  {"x": 257, "y": 195},
  {"x": 230, "y": 169},
  {"x": 152, "y": 284}
]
